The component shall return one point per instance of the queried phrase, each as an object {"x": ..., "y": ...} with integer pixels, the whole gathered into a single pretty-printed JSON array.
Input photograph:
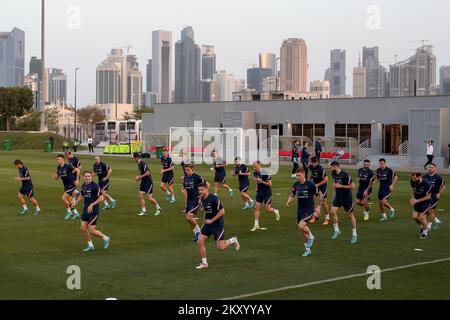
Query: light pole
[
  {"x": 41, "y": 89},
  {"x": 75, "y": 115},
  {"x": 276, "y": 77}
]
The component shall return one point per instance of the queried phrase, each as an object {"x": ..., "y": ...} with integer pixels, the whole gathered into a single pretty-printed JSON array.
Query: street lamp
[
  {"x": 75, "y": 116},
  {"x": 276, "y": 77},
  {"x": 41, "y": 87}
]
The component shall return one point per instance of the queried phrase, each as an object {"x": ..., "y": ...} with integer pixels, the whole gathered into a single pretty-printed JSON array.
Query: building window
[
  {"x": 297, "y": 130},
  {"x": 365, "y": 132},
  {"x": 340, "y": 130},
  {"x": 308, "y": 131},
  {"x": 353, "y": 131},
  {"x": 319, "y": 130}
]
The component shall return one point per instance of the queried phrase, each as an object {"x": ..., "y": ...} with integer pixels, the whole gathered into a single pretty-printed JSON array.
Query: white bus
[{"x": 116, "y": 132}]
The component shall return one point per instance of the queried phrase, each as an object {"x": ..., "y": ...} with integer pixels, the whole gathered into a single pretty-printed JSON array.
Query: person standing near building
[
  {"x": 430, "y": 154},
  {"x": 318, "y": 149},
  {"x": 90, "y": 142},
  {"x": 295, "y": 158},
  {"x": 305, "y": 156}
]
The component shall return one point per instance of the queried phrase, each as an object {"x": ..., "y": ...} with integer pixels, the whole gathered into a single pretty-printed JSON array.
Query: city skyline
[{"x": 66, "y": 48}]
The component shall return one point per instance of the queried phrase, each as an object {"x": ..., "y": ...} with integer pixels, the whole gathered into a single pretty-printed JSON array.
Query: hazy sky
[{"x": 239, "y": 29}]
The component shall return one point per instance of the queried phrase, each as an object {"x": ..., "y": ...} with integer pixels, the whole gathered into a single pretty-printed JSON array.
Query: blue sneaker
[
  {"x": 246, "y": 207},
  {"x": 75, "y": 216},
  {"x": 68, "y": 215},
  {"x": 392, "y": 215},
  {"x": 106, "y": 243},
  {"x": 252, "y": 204},
  {"x": 106, "y": 207},
  {"x": 354, "y": 240},
  {"x": 307, "y": 253},
  {"x": 231, "y": 192},
  {"x": 310, "y": 243},
  {"x": 197, "y": 235},
  {"x": 336, "y": 235},
  {"x": 23, "y": 212},
  {"x": 172, "y": 199},
  {"x": 89, "y": 249},
  {"x": 113, "y": 204}
]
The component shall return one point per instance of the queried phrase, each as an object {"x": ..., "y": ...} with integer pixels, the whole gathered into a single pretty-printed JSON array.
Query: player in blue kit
[
  {"x": 242, "y": 172},
  {"x": 146, "y": 186},
  {"x": 104, "y": 172},
  {"x": 68, "y": 175},
  {"x": 366, "y": 178},
  {"x": 191, "y": 183},
  {"x": 421, "y": 202},
  {"x": 305, "y": 156},
  {"x": 220, "y": 174},
  {"x": 92, "y": 196},
  {"x": 387, "y": 179},
  {"x": 214, "y": 225},
  {"x": 167, "y": 176},
  {"x": 75, "y": 162},
  {"x": 26, "y": 189},
  {"x": 319, "y": 177},
  {"x": 343, "y": 198},
  {"x": 437, "y": 188},
  {"x": 295, "y": 158},
  {"x": 263, "y": 194},
  {"x": 305, "y": 191}
]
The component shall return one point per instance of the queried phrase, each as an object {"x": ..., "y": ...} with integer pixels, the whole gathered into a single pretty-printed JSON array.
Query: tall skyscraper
[
  {"x": 134, "y": 82},
  {"x": 359, "y": 80},
  {"x": 375, "y": 73},
  {"x": 226, "y": 84},
  {"x": 162, "y": 65},
  {"x": 149, "y": 76},
  {"x": 268, "y": 61},
  {"x": 335, "y": 74},
  {"x": 415, "y": 75},
  {"x": 57, "y": 87},
  {"x": 187, "y": 68},
  {"x": 12, "y": 58},
  {"x": 255, "y": 77},
  {"x": 119, "y": 79},
  {"x": 444, "y": 80},
  {"x": 208, "y": 62},
  {"x": 294, "y": 65}
]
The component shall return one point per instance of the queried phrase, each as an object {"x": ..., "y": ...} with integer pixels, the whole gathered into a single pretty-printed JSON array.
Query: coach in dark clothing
[
  {"x": 295, "y": 157},
  {"x": 318, "y": 149}
]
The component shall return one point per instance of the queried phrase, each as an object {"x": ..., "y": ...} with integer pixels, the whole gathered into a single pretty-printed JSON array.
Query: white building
[
  {"x": 359, "y": 80},
  {"x": 226, "y": 84},
  {"x": 162, "y": 65}
]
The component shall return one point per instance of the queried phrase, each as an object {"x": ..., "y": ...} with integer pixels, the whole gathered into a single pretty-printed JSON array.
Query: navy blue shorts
[
  {"x": 27, "y": 191},
  {"x": 304, "y": 215},
  {"x": 167, "y": 178},
  {"x": 91, "y": 218},
  {"x": 423, "y": 207},
  {"x": 243, "y": 187},
  {"x": 192, "y": 206},
  {"x": 69, "y": 190},
  {"x": 220, "y": 178},
  {"x": 384, "y": 194},
  {"x": 264, "y": 198},
  {"x": 347, "y": 205},
  {"x": 324, "y": 190},
  {"x": 104, "y": 185},
  {"x": 216, "y": 229},
  {"x": 146, "y": 187},
  {"x": 434, "y": 202},
  {"x": 360, "y": 195}
]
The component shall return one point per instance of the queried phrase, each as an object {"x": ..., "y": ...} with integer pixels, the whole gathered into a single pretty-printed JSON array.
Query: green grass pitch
[{"x": 154, "y": 258}]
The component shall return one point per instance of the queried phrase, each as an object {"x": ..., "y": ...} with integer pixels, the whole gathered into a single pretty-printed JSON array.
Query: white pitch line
[{"x": 310, "y": 284}]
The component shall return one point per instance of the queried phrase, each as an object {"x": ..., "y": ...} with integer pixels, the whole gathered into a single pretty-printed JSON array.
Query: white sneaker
[
  {"x": 142, "y": 214},
  {"x": 202, "y": 266},
  {"x": 255, "y": 228},
  {"x": 277, "y": 215},
  {"x": 237, "y": 245}
]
